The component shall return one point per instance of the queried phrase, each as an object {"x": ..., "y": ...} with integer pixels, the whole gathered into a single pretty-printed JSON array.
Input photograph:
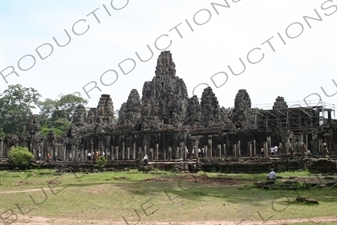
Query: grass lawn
[{"x": 157, "y": 196}]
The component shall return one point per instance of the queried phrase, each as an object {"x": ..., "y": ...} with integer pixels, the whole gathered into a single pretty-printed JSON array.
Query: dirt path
[{"x": 53, "y": 221}]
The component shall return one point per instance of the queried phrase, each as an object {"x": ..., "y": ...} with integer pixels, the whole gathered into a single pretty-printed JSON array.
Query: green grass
[{"x": 170, "y": 198}]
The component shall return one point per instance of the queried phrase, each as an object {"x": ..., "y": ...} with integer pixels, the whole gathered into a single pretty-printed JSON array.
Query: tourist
[
  {"x": 325, "y": 150},
  {"x": 108, "y": 155},
  {"x": 203, "y": 152},
  {"x": 271, "y": 175},
  {"x": 89, "y": 156},
  {"x": 275, "y": 150},
  {"x": 40, "y": 157},
  {"x": 262, "y": 152},
  {"x": 48, "y": 157},
  {"x": 146, "y": 159},
  {"x": 199, "y": 152},
  {"x": 70, "y": 156},
  {"x": 187, "y": 153},
  {"x": 272, "y": 151},
  {"x": 103, "y": 154}
]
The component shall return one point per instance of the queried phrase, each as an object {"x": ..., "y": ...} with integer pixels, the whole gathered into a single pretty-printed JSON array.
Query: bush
[
  {"x": 20, "y": 156},
  {"x": 101, "y": 162}
]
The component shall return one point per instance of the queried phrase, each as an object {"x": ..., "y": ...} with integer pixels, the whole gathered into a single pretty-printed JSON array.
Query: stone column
[
  {"x": 92, "y": 149},
  {"x": 164, "y": 154},
  {"x": 113, "y": 154},
  {"x": 169, "y": 155},
  {"x": 2, "y": 148},
  {"x": 206, "y": 151},
  {"x": 250, "y": 149},
  {"x": 320, "y": 144},
  {"x": 116, "y": 153},
  {"x": 145, "y": 150},
  {"x": 134, "y": 151},
  {"x": 177, "y": 153},
  {"x": 219, "y": 150},
  {"x": 75, "y": 157},
  {"x": 157, "y": 151},
  {"x": 239, "y": 148},
  {"x": 254, "y": 147},
  {"x": 224, "y": 150},
  {"x": 268, "y": 145},
  {"x": 266, "y": 151},
  {"x": 151, "y": 154},
  {"x": 64, "y": 153},
  {"x": 210, "y": 148},
  {"x": 123, "y": 150},
  {"x": 128, "y": 153},
  {"x": 234, "y": 150},
  {"x": 182, "y": 150},
  {"x": 140, "y": 154}
]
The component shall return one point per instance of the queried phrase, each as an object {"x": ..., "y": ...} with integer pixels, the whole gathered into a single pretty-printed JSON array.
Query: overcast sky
[{"x": 285, "y": 53}]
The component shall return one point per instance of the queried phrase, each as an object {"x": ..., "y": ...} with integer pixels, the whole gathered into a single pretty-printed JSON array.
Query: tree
[
  {"x": 16, "y": 106},
  {"x": 57, "y": 114},
  {"x": 20, "y": 156}
]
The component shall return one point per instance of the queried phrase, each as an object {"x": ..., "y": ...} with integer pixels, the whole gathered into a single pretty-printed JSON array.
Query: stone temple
[{"x": 166, "y": 124}]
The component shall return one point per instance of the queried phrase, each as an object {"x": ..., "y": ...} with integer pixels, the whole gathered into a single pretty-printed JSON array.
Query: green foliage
[
  {"x": 101, "y": 162},
  {"x": 57, "y": 114},
  {"x": 45, "y": 130},
  {"x": 20, "y": 156},
  {"x": 16, "y": 106}
]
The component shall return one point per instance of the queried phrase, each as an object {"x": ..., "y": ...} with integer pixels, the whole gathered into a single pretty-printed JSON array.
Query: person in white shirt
[
  {"x": 271, "y": 175},
  {"x": 272, "y": 151},
  {"x": 146, "y": 159},
  {"x": 275, "y": 150}
]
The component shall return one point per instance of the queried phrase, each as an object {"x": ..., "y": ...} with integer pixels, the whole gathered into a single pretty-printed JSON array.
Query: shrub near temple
[{"x": 20, "y": 156}]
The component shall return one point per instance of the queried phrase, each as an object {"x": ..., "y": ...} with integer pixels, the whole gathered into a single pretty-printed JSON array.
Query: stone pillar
[
  {"x": 234, "y": 150},
  {"x": 210, "y": 147},
  {"x": 140, "y": 154},
  {"x": 185, "y": 152},
  {"x": 164, "y": 154},
  {"x": 116, "y": 153},
  {"x": 195, "y": 148},
  {"x": 250, "y": 149},
  {"x": 268, "y": 145},
  {"x": 92, "y": 149},
  {"x": 224, "y": 150},
  {"x": 123, "y": 151},
  {"x": 206, "y": 151},
  {"x": 64, "y": 153},
  {"x": 2, "y": 148},
  {"x": 151, "y": 154},
  {"x": 266, "y": 151},
  {"x": 320, "y": 144},
  {"x": 254, "y": 147},
  {"x": 157, "y": 151},
  {"x": 219, "y": 150},
  {"x": 113, "y": 153},
  {"x": 182, "y": 150},
  {"x": 239, "y": 148},
  {"x": 128, "y": 153},
  {"x": 145, "y": 150},
  {"x": 134, "y": 151},
  {"x": 177, "y": 153},
  {"x": 75, "y": 157},
  {"x": 169, "y": 155}
]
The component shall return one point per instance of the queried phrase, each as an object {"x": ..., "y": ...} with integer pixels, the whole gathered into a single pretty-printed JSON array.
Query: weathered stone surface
[
  {"x": 210, "y": 109},
  {"x": 241, "y": 104}
]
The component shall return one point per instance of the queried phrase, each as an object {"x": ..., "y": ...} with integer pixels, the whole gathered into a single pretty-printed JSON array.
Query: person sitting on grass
[{"x": 271, "y": 175}]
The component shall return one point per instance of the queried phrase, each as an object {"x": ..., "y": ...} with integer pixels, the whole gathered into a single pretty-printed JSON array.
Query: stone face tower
[
  {"x": 241, "y": 105},
  {"x": 105, "y": 110}
]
